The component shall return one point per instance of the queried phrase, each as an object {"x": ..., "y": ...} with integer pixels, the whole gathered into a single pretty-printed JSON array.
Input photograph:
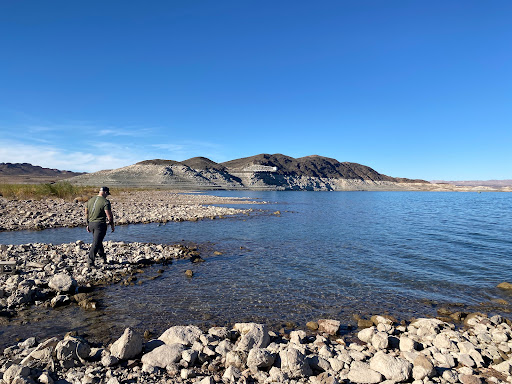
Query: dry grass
[{"x": 61, "y": 190}]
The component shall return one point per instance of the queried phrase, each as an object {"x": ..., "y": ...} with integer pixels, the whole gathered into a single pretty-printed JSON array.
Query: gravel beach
[{"x": 128, "y": 208}]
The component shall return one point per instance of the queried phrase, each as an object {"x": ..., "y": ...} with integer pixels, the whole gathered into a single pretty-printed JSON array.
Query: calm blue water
[{"x": 328, "y": 254}]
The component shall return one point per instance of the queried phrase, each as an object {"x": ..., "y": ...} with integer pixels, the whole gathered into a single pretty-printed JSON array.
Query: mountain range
[
  {"x": 264, "y": 171},
  {"x": 28, "y": 173}
]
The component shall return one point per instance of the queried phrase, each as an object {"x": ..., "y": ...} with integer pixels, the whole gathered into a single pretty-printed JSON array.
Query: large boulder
[
  {"x": 422, "y": 368},
  {"x": 392, "y": 368},
  {"x": 253, "y": 336},
  {"x": 180, "y": 334},
  {"x": 294, "y": 363},
  {"x": 71, "y": 352},
  {"x": 260, "y": 358},
  {"x": 128, "y": 346},
  {"x": 14, "y": 372},
  {"x": 62, "y": 282},
  {"x": 362, "y": 373},
  {"x": 163, "y": 356}
]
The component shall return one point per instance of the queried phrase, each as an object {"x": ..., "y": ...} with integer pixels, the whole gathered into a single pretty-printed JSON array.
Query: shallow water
[{"x": 327, "y": 254}]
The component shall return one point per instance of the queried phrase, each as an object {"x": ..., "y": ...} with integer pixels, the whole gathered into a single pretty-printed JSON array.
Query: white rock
[
  {"x": 442, "y": 341},
  {"x": 232, "y": 374},
  {"x": 128, "y": 346},
  {"x": 380, "y": 340},
  {"x": 450, "y": 376},
  {"x": 444, "y": 360},
  {"x": 260, "y": 358},
  {"x": 294, "y": 363},
  {"x": 62, "y": 282},
  {"x": 407, "y": 344},
  {"x": 466, "y": 360},
  {"x": 164, "y": 355},
  {"x": 499, "y": 337},
  {"x": 224, "y": 347},
  {"x": 15, "y": 371},
  {"x": 366, "y": 334},
  {"x": 465, "y": 347},
  {"x": 107, "y": 360},
  {"x": 71, "y": 351},
  {"x": 253, "y": 336},
  {"x": 422, "y": 368},
  {"x": 235, "y": 359},
  {"x": 319, "y": 363},
  {"x": 503, "y": 367},
  {"x": 297, "y": 337},
  {"x": 180, "y": 334},
  {"x": 329, "y": 326},
  {"x": 392, "y": 368},
  {"x": 277, "y": 376},
  {"x": 362, "y": 373},
  {"x": 219, "y": 332},
  {"x": 336, "y": 365},
  {"x": 45, "y": 378},
  {"x": 206, "y": 380}
]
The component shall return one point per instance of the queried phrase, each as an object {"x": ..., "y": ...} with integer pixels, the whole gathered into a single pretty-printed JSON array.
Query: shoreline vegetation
[{"x": 455, "y": 347}]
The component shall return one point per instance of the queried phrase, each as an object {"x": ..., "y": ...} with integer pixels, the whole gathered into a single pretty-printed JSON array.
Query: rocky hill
[
  {"x": 265, "y": 171},
  {"x": 28, "y": 173}
]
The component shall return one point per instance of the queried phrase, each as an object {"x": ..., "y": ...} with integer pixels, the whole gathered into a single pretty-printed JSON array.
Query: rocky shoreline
[
  {"x": 476, "y": 350},
  {"x": 128, "y": 208},
  {"x": 422, "y": 351},
  {"x": 56, "y": 275}
]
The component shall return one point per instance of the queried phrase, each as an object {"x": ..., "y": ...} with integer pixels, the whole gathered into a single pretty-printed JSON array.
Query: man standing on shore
[{"x": 97, "y": 212}]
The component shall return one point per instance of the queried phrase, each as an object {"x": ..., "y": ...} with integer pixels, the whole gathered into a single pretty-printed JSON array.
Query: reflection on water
[{"x": 325, "y": 255}]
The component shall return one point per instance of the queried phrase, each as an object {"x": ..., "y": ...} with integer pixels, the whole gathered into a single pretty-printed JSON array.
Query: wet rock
[
  {"x": 62, "y": 282},
  {"x": 329, "y": 326},
  {"x": 59, "y": 301},
  {"x": 505, "y": 285}
]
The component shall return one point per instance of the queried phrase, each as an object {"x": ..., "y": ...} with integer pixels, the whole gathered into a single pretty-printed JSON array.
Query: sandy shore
[{"x": 128, "y": 208}]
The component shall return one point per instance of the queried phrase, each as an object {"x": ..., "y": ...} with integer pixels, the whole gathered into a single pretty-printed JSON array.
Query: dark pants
[{"x": 99, "y": 230}]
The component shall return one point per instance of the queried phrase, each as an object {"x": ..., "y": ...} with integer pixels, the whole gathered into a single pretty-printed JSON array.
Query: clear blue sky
[{"x": 418, "y": 89}]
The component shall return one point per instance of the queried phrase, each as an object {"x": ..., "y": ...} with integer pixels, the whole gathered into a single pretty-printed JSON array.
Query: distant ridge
[
  {"x": 28, "y": 173},
  {"x": 263, "y": 171},
  {"x": 477, "y": 183}
]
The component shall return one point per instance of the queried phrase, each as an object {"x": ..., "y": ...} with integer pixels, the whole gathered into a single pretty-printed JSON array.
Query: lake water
[{"x": 328, "y": 254}]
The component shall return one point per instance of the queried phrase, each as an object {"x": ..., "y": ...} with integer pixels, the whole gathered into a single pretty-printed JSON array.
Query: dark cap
[{"x": 105, "y": 189}]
